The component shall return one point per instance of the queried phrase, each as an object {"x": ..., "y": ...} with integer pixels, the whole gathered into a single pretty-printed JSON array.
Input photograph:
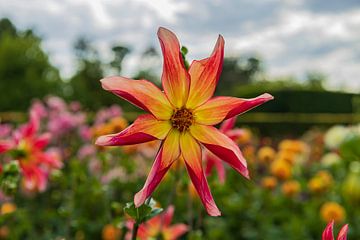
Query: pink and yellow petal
[
  {"x": 145, "y": 128},
  {"x": 218, "y": 109},
  {"x": 191, "y": 152},
  {"x": 221, "y": 146},
  {"x": 343, "y": 232},
  {"x": 167, "y": 216},
  {"x": 328, "y": 232},
  {"x": 175, "y": 78},
  {"x": 168, "y": 153},
  {"x": 205, "y": 76},
  {"x": 141, "y": 93}
]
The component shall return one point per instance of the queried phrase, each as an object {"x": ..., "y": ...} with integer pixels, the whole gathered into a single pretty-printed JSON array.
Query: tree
[
  {"x": 25, "y": 70},
  {"x": 119, "y": 54},
  {"x": 85, "y": 83},
  {"x": 149, "y": 66},
  {"x": 238, "y": 72}
]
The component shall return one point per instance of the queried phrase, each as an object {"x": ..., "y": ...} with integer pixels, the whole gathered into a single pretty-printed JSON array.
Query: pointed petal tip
[
  {"x": 221, "y": 38},
  {"x": 139, "y": 199},
  {"x": 102, "y": 140},
  {"x": 105, "y": 82},
  {"x": 247, "y": 175},
  {"x": 328, "y": 231},
  {"x": 163, "y": 30},
  {"x": 267, "y": 96},
  {"x": 214, "y": 212}
]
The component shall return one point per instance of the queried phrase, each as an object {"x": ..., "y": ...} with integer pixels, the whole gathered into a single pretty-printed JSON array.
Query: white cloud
[{"x": 293, "y": 37}]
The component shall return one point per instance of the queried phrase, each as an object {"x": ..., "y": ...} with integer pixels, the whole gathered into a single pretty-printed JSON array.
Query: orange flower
[
  {"x": 7, "y": 208},
  {"x": 320, "y": 182},
  {"x": 266, "y": 154},
  {"x": 281, "y": 169},
  {"x": 332, "y": 211},
  {"x": 244, "y": 137},
  {"x": 182, "y": 117},
  {"x": 290, "y": 188},
  {"x": 114, "y": 125},
  {"x": 295, "y": 146},
  {"x": 288, "y": 156},
  {"x": 269, "y": 182},
  {"x": 110, "y": 232}
]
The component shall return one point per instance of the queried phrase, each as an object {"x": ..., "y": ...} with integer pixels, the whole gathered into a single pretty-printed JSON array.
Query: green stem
[{"x": 134, "y": 231}]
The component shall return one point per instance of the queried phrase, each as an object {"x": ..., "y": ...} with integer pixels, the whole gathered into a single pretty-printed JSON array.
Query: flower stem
[{"x": 134, "y": 231}]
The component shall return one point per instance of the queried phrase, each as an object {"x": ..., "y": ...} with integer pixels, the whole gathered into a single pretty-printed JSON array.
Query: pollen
[{"x": 182, "y": 119}]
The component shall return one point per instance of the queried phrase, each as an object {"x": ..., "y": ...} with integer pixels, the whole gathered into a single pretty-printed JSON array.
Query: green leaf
[{"x": 143, "y": 213}]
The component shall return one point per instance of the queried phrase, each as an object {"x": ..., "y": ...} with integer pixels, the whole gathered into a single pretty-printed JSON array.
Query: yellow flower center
[{"x": 182, "y": 119}]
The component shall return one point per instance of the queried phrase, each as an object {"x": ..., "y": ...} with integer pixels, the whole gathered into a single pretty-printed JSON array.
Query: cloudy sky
[{"x": 291, "y": 36}]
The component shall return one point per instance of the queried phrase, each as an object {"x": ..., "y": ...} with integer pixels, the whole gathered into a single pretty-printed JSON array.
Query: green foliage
[
  {"x": 25, "y": 70},
  {"x": 10, "y": 178},
  {"x": 85, "y": 82},
  {"x": 185, "y": 51},
  {"x": 144, "y": 212},
  {"x": 238, "y": 72}
]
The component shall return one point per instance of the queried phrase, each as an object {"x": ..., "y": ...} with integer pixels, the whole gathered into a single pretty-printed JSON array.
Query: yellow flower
[
  {"x": 325, "y": 177},
  {"x": 7, "y": 208},
  {"x": 249, "y": 153},
  {"x": 266, "y": 154},
  {"x": 110, "y": 232},
  {"x": 245, "y": 137},
  {"x": 118, "y": 124},
  {"x": 332, "y": 211},
  {"x": 295, "y": 146},
  {"x": 288, "y": 156},
  {"x": 269, "y": 182},
  {"x": 315, "y": 185},
  {"x": 291, "y": 188},
  {"x": 281, "y": 169},
  {"x": 321, "y": 182},
  {"x": 114, "y": 125}
]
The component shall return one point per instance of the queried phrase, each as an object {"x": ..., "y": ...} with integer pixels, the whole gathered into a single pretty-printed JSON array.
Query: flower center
[{"x": 182, "y": 119}]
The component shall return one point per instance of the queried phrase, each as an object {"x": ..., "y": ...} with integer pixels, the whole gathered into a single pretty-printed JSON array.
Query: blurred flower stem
[
  {"x": 139, "y": 219},
  {"x": 134, "y": 231}
]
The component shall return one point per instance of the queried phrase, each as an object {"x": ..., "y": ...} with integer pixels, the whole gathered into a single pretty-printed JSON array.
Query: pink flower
[
  {"x": 39, "y": 108},
  {"x": 5, "y": 130},
  {"x": 104, "y": 114},
  {"x": 328, "y": 232},
  {"x": 85, "y": 151},
  {"x": 159, "y": 227}
]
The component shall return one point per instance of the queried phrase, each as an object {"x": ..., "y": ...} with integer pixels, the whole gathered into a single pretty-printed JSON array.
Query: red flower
[
  {"x": 182, "y": 117},
  {"x": 28, "y": 148},
  {"x": 328, "y": 232},
  {"x": 159, "y": 226}
]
